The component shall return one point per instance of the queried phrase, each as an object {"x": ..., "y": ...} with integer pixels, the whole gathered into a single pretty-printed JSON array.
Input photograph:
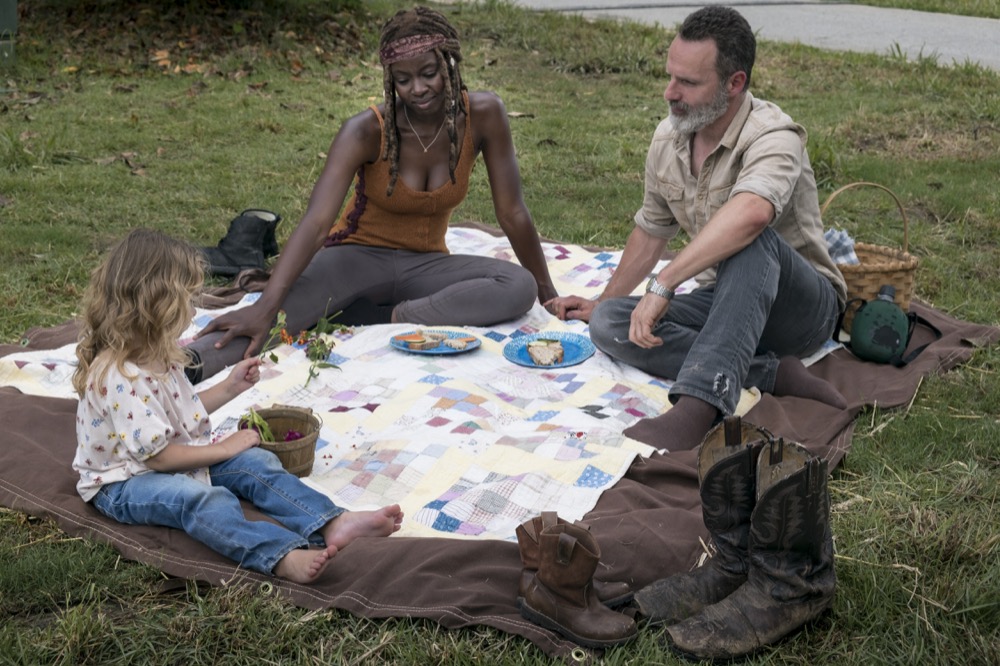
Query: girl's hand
[
  {"x": 240, "y": 441},
  {"x": 244, "y": 375}
]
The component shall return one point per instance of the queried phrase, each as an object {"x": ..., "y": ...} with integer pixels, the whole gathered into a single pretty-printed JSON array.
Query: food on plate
[
  {"x": 418, "y": 340},
  {"x": 458, "y": 343},
  {"x": 545, "y": 352}
]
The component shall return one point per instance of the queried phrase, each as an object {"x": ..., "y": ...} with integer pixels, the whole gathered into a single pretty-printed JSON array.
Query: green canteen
[{"x": 880, "y": 330}]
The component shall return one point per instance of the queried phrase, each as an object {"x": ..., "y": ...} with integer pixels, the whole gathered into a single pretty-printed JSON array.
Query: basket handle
[{"x": 899, "y": 204}]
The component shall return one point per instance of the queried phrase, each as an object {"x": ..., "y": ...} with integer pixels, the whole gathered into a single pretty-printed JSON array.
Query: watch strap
[{"x": 654, "y": 287}]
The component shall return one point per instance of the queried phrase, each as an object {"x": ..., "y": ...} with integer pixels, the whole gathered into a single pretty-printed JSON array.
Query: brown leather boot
[
  {"x": 610, "y": 593},
  {"x": 791, "y": 578},
  {"x": 727, "y": 461},
  {"x": 561, "y": 595}
]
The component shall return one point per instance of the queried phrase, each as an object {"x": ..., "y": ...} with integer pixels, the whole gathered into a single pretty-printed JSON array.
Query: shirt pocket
[{"x": 718, "y": 196}]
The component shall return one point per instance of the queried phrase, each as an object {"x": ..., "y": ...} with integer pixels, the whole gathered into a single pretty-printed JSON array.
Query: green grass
[
  {"x": 982, "y": 8},
  {"x": 96, "y": 137}
]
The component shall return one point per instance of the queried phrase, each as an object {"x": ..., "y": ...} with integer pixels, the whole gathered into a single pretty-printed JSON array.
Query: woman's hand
[
  {"x": 251, "y": 322},
  {"x": 570, "y": 307}
]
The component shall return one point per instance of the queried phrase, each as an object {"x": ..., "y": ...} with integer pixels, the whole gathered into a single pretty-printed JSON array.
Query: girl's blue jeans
[
  {"x": 213, "y": 515},
  {"x": 767, "y": 302}
]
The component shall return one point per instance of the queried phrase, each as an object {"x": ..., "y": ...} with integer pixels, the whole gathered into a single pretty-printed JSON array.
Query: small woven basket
[
  {"x": 879, "y": 265},
  {"x": 296, "y": 456}
]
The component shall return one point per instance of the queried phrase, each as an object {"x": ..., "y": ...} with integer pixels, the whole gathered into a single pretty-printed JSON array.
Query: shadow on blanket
[{"x": 648, "y": 526}]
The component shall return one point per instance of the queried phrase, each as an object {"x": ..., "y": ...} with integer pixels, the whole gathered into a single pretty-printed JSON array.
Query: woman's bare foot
[
  {"x": 304, "y": 565},
  {"x": 350, "y": 525}
]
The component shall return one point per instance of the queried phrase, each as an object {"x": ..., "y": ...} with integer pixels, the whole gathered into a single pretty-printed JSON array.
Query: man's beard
[{"x": 696, "y": 118}]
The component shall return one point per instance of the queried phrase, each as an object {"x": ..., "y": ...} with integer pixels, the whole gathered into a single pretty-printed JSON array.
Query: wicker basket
[
  {"x": 879, "y": 265},
  {"x": 297, "y": 455}
]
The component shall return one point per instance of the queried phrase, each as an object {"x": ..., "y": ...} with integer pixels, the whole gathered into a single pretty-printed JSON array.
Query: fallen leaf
[
  {"x": 518, "y": 114},
  {"x": 70, "y": 70}
]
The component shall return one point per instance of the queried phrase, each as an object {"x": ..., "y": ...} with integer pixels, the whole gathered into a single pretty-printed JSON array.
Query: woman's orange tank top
[{"x": 409, "y": 219}]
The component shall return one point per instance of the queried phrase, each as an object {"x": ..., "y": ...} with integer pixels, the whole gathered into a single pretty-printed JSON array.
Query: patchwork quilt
[{"x": 470, "y": 444}]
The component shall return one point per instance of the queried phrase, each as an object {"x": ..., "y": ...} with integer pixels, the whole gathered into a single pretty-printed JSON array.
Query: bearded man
[{"x": 733, "y": 172}]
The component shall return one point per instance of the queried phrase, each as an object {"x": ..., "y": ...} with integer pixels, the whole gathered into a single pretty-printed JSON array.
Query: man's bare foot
[
  {"x": 350, "y": 525},
  {"x": 304, "y": 565}
]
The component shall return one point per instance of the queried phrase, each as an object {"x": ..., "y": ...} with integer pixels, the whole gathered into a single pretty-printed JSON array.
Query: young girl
[{"x": 145, "y": 455}]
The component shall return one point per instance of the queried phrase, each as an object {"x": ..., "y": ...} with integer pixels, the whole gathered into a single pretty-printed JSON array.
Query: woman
[{"x": 385, "y": 259}]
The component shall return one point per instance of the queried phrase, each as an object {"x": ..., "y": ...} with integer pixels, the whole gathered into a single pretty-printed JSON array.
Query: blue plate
[
  {"x": 576, "y": 349},
  {"x": 441, "y": 349}
]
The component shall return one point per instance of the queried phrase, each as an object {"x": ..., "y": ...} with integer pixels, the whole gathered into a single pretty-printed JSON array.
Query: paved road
[{"x": 828, "y": 25}]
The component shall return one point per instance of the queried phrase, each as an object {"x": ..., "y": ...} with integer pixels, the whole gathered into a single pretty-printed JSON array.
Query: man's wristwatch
[{"x": 654, "y": 287}]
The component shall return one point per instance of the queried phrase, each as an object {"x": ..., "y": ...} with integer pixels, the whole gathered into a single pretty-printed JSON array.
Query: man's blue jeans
[
  {"x": 767, "y": 302},
  {"x": 213, "y": 515}
]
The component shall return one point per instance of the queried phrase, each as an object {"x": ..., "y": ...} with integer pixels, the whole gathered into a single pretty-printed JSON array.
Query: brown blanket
[{"x": 648, "y": 525}]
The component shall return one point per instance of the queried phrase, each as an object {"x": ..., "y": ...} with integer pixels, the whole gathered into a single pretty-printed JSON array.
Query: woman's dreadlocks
[{"x": 407, "y": 34}]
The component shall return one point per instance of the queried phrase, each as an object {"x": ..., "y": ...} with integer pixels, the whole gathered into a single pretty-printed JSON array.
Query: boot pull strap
[
  {"x": 549, "y": 519},
  {"x": 776, "y": 451},
  {"x": 733, "y": 430},
  {"x": 564, "y": 550}
]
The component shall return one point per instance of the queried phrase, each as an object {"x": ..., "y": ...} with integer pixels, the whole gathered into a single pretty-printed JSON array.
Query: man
[{"x": 733, "y": 172}]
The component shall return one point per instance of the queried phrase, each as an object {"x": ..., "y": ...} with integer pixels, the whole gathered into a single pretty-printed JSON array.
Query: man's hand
[
  {"x": 250, "y": 322},
  {"x": 648, "y": 311},
  {"x": 570, "y": 307}
]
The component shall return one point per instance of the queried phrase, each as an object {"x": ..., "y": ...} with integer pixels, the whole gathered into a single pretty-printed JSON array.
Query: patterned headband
[{"x": 408, "y": 47}]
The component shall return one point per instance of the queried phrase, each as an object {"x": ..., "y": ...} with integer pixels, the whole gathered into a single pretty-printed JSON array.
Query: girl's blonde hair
[{"x": 137, "y": 304}]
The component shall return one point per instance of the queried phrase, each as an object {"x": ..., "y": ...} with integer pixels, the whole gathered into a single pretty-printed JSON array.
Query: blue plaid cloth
[{"x": 841, "y": 247}]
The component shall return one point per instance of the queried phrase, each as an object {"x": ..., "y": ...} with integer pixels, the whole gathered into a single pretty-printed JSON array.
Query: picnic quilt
[{"x": 470, "y": 444}]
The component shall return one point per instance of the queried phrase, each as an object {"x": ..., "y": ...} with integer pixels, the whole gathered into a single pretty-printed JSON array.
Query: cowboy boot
[
  {"x": 726, "y": 464},
  {"x": 791, "y": 579},
  {"x": 243, "y": 245},
  {"x": 561, "y": 595},
  {"x": 611, "y": 593}
]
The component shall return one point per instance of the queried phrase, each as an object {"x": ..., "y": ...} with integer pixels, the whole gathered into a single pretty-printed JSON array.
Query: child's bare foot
[
  {"x": 350, "y": 525},
  {"x": 304, "y": 565}
]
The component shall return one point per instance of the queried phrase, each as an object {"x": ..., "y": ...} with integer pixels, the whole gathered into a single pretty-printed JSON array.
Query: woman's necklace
[{"x": 428, "y": 146}]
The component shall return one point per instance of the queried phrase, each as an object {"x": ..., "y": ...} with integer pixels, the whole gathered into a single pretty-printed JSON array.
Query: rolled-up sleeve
[{"x": 771, "y": 166}]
